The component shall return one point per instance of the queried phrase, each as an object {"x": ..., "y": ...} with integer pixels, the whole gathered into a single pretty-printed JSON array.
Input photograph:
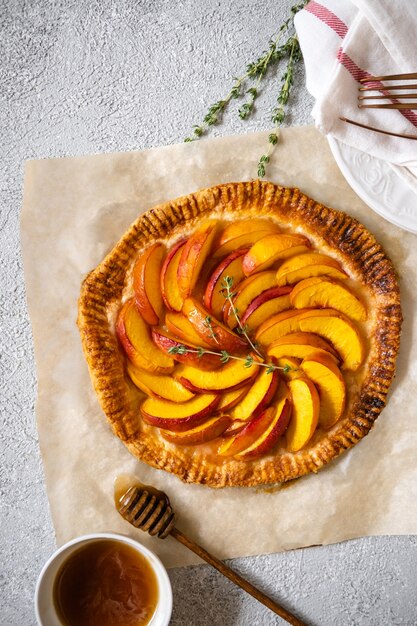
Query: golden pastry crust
[{"x": 332, "y": 232}]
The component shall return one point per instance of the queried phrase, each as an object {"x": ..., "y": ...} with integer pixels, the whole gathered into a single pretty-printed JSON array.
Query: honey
[{"x": 106, "y": 583}]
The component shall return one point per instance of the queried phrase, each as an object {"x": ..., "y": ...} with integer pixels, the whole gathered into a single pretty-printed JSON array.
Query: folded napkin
[{"x": 343, "y": 42}]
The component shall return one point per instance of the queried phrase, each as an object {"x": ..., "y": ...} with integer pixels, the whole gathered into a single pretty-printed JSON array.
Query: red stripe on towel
[
  {"x": 326, "y": 16},
  {"x": 335, "y": 23}
]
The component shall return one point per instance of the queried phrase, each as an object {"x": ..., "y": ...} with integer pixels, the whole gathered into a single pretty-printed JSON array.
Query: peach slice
[
  {"x": 146, "y": 273},
  {"x": 255, "y": 430},
  {"x": 306, "y": 266},
  {"x": 328, "y": 379},
  {"x": 291, "y": 367},
  {"x": 301, "y": 346},
  {"x": 230, "y": 398},
  {"x": 340, "y": 331},
  {"x": 169, "y": 285},
  {"x": 244, "y": 241},
  {"x": 193, "y": 256},
  {"x": 190, "y": 356},
  {"x": 274, "y": 430},
  {"x": 243, "y": 234},
  {"x": 159, "y": 386},
  {"x": 178, "y": 416},
  {"x": 181, "y": 327},
  {"x": 272, "y": 248},
  {"x": 134, "y": 336},
  {"x": 215, "y": 334},
  {"x": 211, "y": 429},
  {"x": 258, "y": 396},
  {"x": 235, "y": 427},
  {"x": 243, "y": 227},
  {"x": 251, "y": 431},
  {"x": 305, "y": 413},
  {"x": 246, "y": 292},
  {"x": 214, "y": 298},
  {"x": 268, "y": 303},
  {"x": 324, "y": 292},
  {"x": 279, "y": 325},
  {"x": 233, "y": 375}
]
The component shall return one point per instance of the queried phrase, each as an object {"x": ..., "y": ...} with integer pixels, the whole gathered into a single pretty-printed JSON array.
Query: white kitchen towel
[{"x": 343, "y": 42}]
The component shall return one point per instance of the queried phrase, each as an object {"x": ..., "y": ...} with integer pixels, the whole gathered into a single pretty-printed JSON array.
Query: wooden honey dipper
[{"x": 150, "y": 510}]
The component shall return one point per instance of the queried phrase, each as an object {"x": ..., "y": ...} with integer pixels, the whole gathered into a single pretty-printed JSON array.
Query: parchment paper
[{"x": 75, "y": 209}]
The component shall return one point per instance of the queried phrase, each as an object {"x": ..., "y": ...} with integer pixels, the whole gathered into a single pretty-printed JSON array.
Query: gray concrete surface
[{"x": 77, "y": 77}]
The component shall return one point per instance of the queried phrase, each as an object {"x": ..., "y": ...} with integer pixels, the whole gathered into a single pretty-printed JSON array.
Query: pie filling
[{"x": 244, "y": 338}]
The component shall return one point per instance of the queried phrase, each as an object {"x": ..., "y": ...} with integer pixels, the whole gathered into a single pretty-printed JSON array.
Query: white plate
[{"x": 377, "y": 184}]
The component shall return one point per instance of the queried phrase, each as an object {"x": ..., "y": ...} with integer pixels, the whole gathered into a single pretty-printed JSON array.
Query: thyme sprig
[
  {"x": 279, "y": 111},
  {"x": 225, "y": 356},
  {"x": 215, "y": 111},
  {"x": 255, "y": 72},
  {"x": 227, "y": 292}
]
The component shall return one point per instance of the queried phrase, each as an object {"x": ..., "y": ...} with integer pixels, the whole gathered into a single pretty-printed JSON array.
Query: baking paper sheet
[{"x": 74, "y": 211}]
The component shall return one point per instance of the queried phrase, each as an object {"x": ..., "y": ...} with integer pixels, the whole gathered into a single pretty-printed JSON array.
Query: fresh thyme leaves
[
  {"x": 265, "y": 158},
  {"x": 214, "y": 114},
  {"x": 180, "y": 349},
  {"x": 255, "y": 72},
  {"x": 278, "y": 112},
  {"x": 227, "y": 292},
  {"x": 225, "y": 356},
  {"x": 246, "y": 109},
  {"x": 248, "y": 361}
]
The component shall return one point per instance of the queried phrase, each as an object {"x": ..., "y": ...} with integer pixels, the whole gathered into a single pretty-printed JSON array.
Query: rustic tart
[{"x": 242, "y": 335}]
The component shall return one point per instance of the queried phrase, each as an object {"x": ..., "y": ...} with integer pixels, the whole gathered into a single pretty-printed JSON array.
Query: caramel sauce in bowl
[{"x": 103, "y": 579}]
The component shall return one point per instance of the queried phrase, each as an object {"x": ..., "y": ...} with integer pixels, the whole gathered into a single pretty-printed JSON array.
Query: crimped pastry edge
[{"x": 358, "y": 251}]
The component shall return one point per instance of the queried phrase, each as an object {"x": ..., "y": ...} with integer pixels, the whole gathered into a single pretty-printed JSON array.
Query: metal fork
[{"x": 377, "y": 83}]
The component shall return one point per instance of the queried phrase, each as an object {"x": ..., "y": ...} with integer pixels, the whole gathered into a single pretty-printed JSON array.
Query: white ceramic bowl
[{"x": 44, "y": 605}]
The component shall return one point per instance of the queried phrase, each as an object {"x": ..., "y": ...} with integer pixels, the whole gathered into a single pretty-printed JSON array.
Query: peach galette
[{"x": 244, "y": 334}]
